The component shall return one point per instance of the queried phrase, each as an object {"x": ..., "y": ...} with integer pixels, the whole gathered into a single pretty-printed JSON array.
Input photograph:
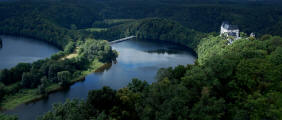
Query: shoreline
[
  {"x": 57, "y": 88},
  {"x": 26, "y": 96},
  {"x": 34, "y": 38}
]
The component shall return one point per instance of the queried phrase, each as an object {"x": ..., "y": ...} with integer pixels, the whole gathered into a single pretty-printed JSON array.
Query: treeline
[
  {"x": 24, "y": 20},
  {"x": 55, "y": 70},
  {"x": 166, "y": 30},
  {"x": 202, "y": 17},
  {"x": 108, "y": 23},
  {"x": 239, "y": 81},
  {"x": 156, "y": 29}
]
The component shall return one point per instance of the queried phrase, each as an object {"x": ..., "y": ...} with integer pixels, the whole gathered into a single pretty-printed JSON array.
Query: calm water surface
[
  {"x": 19, "y": 49},
  {"x": 137, "y": 59}
]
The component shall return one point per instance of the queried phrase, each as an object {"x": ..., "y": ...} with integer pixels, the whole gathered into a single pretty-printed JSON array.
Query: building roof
[{"x": 227, "y": 26}]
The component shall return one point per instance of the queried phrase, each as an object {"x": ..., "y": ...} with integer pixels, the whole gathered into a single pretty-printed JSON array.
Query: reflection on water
[
  {"x": 137, "y": 60},
  {"x": 164, "y": 51},
  {"x": 134, "y": 61},
  {"x": 19, "y": 49}
]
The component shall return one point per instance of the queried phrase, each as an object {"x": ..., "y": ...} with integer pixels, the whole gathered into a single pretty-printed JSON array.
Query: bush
[{"x": 64, "y": 78}]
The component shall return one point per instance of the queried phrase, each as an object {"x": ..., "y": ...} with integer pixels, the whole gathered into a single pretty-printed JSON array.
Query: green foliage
[
  {"x": 70, "y": 110},
  {"x": 265, "y": 37},
  {"x": 97, "y": 50},
  {"x": 208, "y": 109},
  {"x": 155, "y": 29},
  {"x": 137, "y": 85},
  {"x": 5, "y": 76},
  {"x": 29, "y": 21},
  {"x": 70, "y": 47},
  {"x": 28, "y": 80},
  {"x": 64, "y": 78},
  {"x": 53, "y": 70},
  {"x": 276, "y": 56},
  {"x": 7, "y": 117},
  {"x": 209, "y": 47},
  {"x": 100, "y": 100},
  {"x": 44, "y": 83},
  {"x": 15, "y": 74},
  {"x": 2, "y": 91},
  {"x": 203, "y": 17},
  {"x": 110, "y": 23},
  {"x": 165, "y": 30},
  {"x": 58, "y": 55}
]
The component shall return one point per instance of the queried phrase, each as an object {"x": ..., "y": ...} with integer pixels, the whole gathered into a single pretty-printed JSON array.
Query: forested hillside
[
  {"x": 201, "y": 17},
  {"x": 154, "y": 29},
  {"x": 237, "y": 81},
  {"x": 28, "y": 20}
]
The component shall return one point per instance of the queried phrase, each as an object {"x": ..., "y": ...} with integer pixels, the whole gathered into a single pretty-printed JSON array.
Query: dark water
[
  {"x": 19, "y": 49},
  {"x": 137, "y": 59}
]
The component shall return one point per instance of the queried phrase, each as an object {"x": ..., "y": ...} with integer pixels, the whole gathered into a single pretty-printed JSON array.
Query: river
[
  {"x": 20, "y": 49},
  {"x": 137, "y": 59}
]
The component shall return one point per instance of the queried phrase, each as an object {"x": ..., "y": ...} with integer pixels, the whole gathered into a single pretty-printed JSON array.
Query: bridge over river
[{"x": 122, "y": 39}]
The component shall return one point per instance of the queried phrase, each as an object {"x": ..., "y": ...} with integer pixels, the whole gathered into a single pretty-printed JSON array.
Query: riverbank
[
  {"x": 31, "y": 82},
  {"x": 31, "y": 95}
]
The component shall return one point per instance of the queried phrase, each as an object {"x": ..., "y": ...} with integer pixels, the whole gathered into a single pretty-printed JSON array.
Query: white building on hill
[{"x": 231, "y": 31}]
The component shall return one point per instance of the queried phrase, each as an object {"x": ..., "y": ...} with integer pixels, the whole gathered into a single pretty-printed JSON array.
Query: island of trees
[{"x": 237, "y": 81}]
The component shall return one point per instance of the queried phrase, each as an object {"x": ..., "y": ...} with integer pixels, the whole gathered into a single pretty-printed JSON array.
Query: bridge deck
[{"x": 122, "y": 39}]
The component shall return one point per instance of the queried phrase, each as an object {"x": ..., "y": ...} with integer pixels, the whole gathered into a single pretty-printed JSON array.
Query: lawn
[
  {"x": 96, "y": 29},
  {"x": 23, "y": 96}
]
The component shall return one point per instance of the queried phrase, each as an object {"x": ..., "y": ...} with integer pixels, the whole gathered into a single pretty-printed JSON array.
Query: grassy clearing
[
  {"x": 114, "y": 21},
  {"x": 94, "y": 66},
  {"x": 109, "y": 23},
  {"x": 24, "y": 96},
  {"x": 72, "y": 55},
  {"x": 12, "y": 86},
  {"x": 96, "y": 29},
  {"x": 52, "y": 87}
]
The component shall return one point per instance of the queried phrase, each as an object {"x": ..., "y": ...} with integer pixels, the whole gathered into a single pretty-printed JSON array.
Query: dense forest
[
  {"x": 154, "y": 29},
  {"x": 202, "y": 17},
  {"x": 237, "y": 81}
]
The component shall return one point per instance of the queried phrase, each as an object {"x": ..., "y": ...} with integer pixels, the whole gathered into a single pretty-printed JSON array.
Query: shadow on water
[
  {"x": 164, "y": 51},
  {"x": 167, "y": 47},
  {"x": 1, "y": 43}
]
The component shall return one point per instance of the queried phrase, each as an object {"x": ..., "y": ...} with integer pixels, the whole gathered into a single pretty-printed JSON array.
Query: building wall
[{"x": 223, "y": 30}]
